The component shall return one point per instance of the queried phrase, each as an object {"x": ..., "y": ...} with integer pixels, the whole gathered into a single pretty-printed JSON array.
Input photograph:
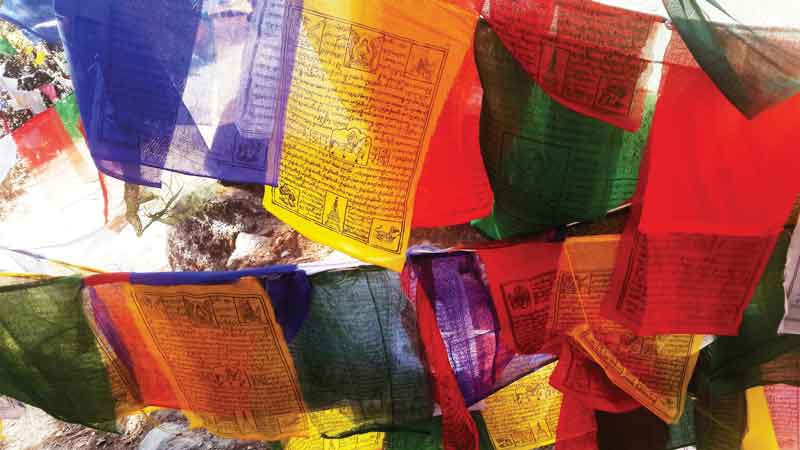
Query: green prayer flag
[
  {"x": 749, "y": 49},
  {"x": 49, "y": 357},
  {"x": 359, "y": 349},
  {"x": 547, "y": 164},
  {"x": 427, "y": 435}
]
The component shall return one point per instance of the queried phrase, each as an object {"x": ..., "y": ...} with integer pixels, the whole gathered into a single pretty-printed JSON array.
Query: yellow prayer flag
[
  {"x": 524, "y": 414},
  {"x": 369, "y": 81},
  {"x": 365, "y": 441},
  {"x": 760, "y": 434},
  {"x": 223, "y": 353},
  {"x": 654, "y": 370}
]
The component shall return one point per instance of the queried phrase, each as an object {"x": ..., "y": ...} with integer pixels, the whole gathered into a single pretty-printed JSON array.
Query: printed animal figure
[
  {"x": 287, "y": 196},
  {"x": 387, "y": 235},
  {"x": 352, "y": 144}
]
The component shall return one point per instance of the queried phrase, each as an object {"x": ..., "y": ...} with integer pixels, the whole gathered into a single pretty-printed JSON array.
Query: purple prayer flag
[{"x": 468, "y": 323}]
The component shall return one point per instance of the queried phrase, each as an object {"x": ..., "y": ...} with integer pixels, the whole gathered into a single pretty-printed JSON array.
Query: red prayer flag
[
  {"x": 590, "y": 57},
  {"x": 521, "y": 278},
  {"x": 454, "y": 188},
  {"x": 577, "y": 376},
  {"x": 715, "y": 190},
  {"x": 459, "y": 431}
]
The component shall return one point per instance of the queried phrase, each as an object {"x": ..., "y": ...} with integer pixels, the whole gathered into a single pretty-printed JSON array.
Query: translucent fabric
[
  {"x": 41, "y": 139},
  {"x": 548, "y": 164},
  {"x": 369, "y": 83},
  {"x": 590, "y": 57},
  {"x": 358, "y": 354},
  {"x": 245, "y": 384},
  {"x": 49, "y": 357},
  {"x": 453, "y": 187},
  {"x": 706, "y": 217},
  {"x": 35, "y": 17},
  {"x": 196, "y": 88},
  {"x": 554, "y": 298},
  {"x": 750, "y": 50},
  {"x": 757, "y": 355},
  {"x": 461, "y": 338}
]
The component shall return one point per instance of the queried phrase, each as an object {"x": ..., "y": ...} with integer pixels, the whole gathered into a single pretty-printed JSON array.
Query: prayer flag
[
  {"x": 453, "y": 187},
  {"x": 705, "y": 217},
  {"x": 369, "y": 83},
  {"x": 749, "y": 50},
  {"x": 191, "y": 87},
  {"x": 548, "y": 164},
  {"x": 49, "y": 357},
  {"x": 590, "y": 57}
]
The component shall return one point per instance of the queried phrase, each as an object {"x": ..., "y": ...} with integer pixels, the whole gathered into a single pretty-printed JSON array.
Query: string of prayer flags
[
  {"x": 360, "y": 118},
  {"x": 757, "y": 355},
  {"x": 705, "y": 218},
  {"x": 453, "y": 187},
  {"x": 49, "y": 357},
  {"x": 751, "y": 53},
  {"x": 548, "y": 165},
  {"x": 195, "y": 89},
  {"x": 35, "y": 17},
  {"x": 590, "y": 57},
  {"x": 244, "y": 385}
]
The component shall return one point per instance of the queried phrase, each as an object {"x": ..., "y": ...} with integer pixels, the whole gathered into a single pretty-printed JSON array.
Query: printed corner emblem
[
  {"x": 386, "y": 234},
  {"x": 286, "y": 196},
  {"x": 250, "y": 152},
  {"x": 364, "y": 49},
  {"x": 351, "y": 144},
  {"x": 424, "y": 64},
  {"x": 615, "y": 95},
  {"x": 517, "y": 295},
  {"x": 249, "y": 310},
  {"x": 333, "y": 215},
  {"x": 312, "y": 28}
]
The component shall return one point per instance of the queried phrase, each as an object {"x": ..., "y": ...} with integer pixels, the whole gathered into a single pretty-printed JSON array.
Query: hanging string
[{"x": 575, "y": 283}]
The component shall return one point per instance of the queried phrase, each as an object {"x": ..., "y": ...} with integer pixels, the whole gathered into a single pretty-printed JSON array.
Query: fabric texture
[
  {"x": 49, "y": 357},
  {"x": 750, "y": 52},
  {"x": 195, "y": 89},
  {"x": 548, "y": 164}
]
